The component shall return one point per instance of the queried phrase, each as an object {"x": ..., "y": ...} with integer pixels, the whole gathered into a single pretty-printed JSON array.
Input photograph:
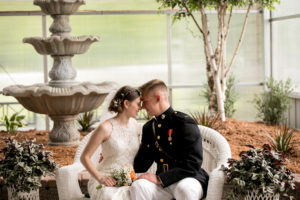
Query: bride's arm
[{"x": 100, "y": 135}]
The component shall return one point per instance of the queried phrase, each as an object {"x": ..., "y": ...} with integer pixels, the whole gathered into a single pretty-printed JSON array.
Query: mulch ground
[{"x": 238, "y": 134}]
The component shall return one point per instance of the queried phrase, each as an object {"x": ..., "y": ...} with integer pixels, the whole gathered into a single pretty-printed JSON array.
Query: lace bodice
[{"x": 121, "y": 147}]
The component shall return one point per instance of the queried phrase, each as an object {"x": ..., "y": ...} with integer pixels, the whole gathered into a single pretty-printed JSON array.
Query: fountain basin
[
  {"x": 62, "y": 105},
  {"x": 59, "y": 7},
  {"x": 61, "y": 45}
]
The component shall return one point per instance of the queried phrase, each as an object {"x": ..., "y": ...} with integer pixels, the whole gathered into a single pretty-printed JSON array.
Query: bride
[{"x": 119, "y": 137}]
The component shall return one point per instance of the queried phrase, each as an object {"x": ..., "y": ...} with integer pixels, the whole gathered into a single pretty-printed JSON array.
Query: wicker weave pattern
[
  {"x": 32, "y": 195},
  {"x": 216, "y": 152},
  {"x": 255, "y": 195}
]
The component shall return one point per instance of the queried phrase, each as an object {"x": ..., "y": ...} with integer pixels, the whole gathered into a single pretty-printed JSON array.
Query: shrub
[
  {"x": 23, "y": 165},
  {"x": 274, "y": 102},
  {"x": 14, "y": 122},
  {"x": 230, "y": 94},
  {"x": 85, "y": 121},
  {"x": 205, "y": 119},
  {"x": 283, "y": 140},
  {"x": 261, "y": 170}
]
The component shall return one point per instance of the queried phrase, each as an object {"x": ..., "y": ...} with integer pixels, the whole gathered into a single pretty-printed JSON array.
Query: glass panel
[
  {"x": 245, "y": 108},
  {"x": 27, "y": 5},
  {"x": 287, "y": 7},
  {"x": 20, "y": 63},
  {"x": 119, "y": 5},
  {"x": 17, "y": 5},
  {"x": 286, "y": 50},
  {"x": 132, "y": 48},
  {"x": 189, "y": 66},
  {"x": 190, "y": 100}
]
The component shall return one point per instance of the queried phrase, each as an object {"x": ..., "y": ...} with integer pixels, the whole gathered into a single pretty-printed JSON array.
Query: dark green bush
[
  {"x": 274, "y": 102},
  {"x": 259, "y": 169},
  {"x": 230, "y": 94},
  {"x": 23, "y": 164}
]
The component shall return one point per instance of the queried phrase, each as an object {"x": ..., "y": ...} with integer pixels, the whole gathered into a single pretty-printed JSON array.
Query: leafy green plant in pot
[
  {"x": 22, "y": 165},
  {"x": 259, "y": 172}
]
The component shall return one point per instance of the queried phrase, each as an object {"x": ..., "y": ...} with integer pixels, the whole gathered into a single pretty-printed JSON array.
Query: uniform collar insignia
[{"x": 168, "y": 112}]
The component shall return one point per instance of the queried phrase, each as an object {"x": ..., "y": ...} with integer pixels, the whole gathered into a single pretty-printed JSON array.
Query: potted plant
[
  {"x": 259, "y": 174},
  {"x": 22, "y": 165}
]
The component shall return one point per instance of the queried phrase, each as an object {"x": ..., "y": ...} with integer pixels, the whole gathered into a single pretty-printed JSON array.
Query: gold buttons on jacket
[
  {"x": 163, "y": 116},
  {"x": 158, "y": 125},
  {"x": 161, "y": 160},
  {"x": 158, "y": 137},
  {"x": 148, "y": 145}
]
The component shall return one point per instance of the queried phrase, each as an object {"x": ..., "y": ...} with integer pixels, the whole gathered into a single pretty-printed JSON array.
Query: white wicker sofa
[{"x": 216, "y": 152}]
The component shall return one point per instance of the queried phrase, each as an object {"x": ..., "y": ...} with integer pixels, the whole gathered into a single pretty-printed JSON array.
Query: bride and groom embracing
[{"x": 170, "y": 138}]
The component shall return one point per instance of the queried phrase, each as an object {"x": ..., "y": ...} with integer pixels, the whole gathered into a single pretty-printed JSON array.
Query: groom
[{"x": 171, "y": 139}]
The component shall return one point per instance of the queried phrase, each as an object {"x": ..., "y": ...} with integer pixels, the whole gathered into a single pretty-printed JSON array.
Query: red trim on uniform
[{"x": 170, "y": 132}]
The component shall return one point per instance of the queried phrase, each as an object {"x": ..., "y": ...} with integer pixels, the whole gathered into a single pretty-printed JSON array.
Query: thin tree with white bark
[{"x": 217, "y": 67}]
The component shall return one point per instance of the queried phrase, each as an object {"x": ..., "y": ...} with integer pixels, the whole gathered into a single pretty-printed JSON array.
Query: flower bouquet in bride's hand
[{"x": 124, "y": 176}]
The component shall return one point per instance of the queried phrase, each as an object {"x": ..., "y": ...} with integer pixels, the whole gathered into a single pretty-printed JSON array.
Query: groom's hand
[{"x": 150, "y": 177}]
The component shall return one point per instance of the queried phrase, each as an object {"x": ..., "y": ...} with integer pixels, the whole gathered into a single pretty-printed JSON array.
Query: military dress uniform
[{"x": 174, "y": 142}]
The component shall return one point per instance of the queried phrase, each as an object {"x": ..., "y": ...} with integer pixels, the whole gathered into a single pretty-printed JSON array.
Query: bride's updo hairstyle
[{"x": 124, "y": 93}]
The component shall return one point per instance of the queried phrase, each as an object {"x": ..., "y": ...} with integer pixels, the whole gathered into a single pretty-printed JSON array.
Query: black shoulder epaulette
[{"x": 180, "y": 116}]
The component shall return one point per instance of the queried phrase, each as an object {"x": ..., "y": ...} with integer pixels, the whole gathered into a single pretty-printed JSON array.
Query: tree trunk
[
  {"x": 211, "y": 85},
  {"x": 214, "y": 61}
]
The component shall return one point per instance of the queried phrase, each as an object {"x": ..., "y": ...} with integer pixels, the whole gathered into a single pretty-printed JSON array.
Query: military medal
[{"x": 170, "y": 132}]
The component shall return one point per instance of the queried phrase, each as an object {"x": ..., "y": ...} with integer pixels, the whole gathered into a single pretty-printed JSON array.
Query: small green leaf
[{"x": 99, "y": 187}]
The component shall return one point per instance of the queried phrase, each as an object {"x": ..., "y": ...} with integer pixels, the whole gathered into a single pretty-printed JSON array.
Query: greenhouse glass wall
[{"x": 138, "y": 44}]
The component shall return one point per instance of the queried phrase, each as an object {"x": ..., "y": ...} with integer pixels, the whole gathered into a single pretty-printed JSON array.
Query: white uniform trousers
[{"x": 185, "y": 189}]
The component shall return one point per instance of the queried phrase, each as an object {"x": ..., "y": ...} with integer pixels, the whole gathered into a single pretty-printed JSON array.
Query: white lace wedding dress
[{"x": 119, "y": 150}]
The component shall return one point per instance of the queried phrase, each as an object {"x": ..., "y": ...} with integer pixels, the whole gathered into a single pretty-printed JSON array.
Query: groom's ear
[{"x": 158, "y": 97}]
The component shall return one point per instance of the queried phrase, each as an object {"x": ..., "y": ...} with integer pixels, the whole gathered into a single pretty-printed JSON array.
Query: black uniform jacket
[{"x": 178, "y": 153}]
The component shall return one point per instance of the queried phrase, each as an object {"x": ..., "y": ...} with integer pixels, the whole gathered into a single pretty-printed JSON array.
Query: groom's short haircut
[{"x": 152, "y": 85}]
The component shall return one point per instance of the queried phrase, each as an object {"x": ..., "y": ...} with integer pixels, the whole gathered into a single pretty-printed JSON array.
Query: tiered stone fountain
[{"x": 62, "y": 98}]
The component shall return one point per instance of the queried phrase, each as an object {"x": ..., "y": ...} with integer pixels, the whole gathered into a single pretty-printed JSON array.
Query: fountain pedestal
[{"x": 64, "y": 130}]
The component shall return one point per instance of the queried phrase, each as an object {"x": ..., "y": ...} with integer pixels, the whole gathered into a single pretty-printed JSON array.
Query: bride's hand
[{"x": 108, "y": 181}]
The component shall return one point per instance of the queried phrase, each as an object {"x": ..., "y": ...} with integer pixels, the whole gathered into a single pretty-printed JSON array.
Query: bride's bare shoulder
[{"x": 105, "y": 128}]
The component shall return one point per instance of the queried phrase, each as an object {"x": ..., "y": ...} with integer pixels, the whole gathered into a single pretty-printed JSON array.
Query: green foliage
[
  {"x": 205, "y": 119},
  {"x": 261, "y": 170},
  {"x": 283, "y": 140},
  {"x": 85, "y": 121},
  {"x": 23, "y": 164},
  {"x": 195, "y": 5},
  {"x": 230, "y": 94},
  {"x": 274, "y": 102},
  {"x": 14, "y": 122}
]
